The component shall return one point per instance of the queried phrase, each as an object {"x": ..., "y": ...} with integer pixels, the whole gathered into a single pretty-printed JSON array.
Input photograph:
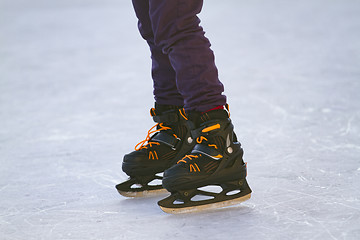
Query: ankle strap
[{"x": 222, "y": 125}]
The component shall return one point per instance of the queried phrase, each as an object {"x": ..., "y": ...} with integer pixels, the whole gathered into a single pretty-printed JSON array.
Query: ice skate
[
  {"x": 165, "y": 143},
  {"x": 216, "y": 160}
]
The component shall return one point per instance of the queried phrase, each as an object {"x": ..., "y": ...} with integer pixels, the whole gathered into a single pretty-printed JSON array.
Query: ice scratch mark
[
  {"x": 322, "y": 199},
  {"x": 79, "y": 211},
  {"x": 282, "y": 202},
  {"x": 302, "y": 178},
  {"x": 324, "y": 147},
  {"x": 58, "y": 224},
  {"x": 348, "y": 127},
  {"x": 4, "y": 187},
  {"x": 326, "y": 229},
  {"x": 27, "y": 221},
  {"x": 275, "y": 108},
  {"x": 302, "y": 193},
  {"x": 345, "y": 205},
  {"x": 312, "y": 218},
  {"x": 51, "y": 208}
]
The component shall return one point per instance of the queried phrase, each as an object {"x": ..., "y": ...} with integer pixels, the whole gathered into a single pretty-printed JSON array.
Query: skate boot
[
  {"x": 214, "y": 163},
  {"x": 165, "y": 143}
]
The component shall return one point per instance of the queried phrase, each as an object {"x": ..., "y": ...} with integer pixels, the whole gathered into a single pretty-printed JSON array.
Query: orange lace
[
  {"x": 200, "y": 139},
  {"x": 193, "y": 166},
  {"x": 191, "y": 156},
  {"x": 141, "y": 144}
]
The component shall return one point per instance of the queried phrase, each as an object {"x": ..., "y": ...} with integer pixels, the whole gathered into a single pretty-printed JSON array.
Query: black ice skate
[
  {"x": 168, "y": 141},
  {"x": 215, "y": 161}
]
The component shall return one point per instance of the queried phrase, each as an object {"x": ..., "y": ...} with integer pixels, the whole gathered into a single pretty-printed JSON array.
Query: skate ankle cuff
[
  {"x": 168, "y": 118},
  {"x": 210, "y": 128},
  {"x": 161, "y": 108}
]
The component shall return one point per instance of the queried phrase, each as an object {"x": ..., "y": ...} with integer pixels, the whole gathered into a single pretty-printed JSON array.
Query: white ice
[{"x": 75, "y": 91}]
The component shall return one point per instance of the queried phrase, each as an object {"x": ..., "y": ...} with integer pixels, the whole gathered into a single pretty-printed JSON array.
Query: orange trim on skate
[
  {"x": 156, "y": 155},
  {"x": 197, "y": 167},
  {"x": 153, "y": 155},
  {"x": 200, "y": 139},
  {"x": 218, "y": 156},
  {"x": 182, "y": 113},
  {"x": 213, "y": 145},
  {"x": 227, "y": 108},
  {"x": 208, "y": 129},
  {"x": 194, "y": 167}
]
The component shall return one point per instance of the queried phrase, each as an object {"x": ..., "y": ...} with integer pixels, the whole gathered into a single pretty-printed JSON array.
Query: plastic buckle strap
[
  {"x": 178, "y": 140},
  {"x": 200, "y": 148},
  {"x": 195, "y": 133},
  {"x": 167, "y": 139}
]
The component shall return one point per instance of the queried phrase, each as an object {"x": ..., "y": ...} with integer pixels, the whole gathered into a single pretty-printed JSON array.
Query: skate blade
[
  {"x": 145, "y": 193},
  {"x": 139, "y": 187},
  {"x": 206, "y": 207}
]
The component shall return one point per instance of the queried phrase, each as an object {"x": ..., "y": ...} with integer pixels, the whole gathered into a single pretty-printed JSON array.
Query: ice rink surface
[{"x": 75, "y": 91}]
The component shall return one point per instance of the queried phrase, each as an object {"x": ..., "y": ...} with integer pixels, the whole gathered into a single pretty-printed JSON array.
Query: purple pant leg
[
  {"x": 176, "y": 30},
  {"x": 163, "y": 74}
]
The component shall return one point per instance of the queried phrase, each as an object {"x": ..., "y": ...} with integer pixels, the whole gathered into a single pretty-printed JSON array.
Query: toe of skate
[{"x": 140, "y": 187}]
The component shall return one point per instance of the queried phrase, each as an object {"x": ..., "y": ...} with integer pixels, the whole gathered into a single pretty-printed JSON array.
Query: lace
[
  {"x": 151, "y": 131},
  {"x": 190, "y": 157}
]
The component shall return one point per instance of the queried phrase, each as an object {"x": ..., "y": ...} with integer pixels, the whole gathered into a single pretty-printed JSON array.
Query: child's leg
[
  {"x": 163, "y": 74},
  {"x": 176, "y": 30}
]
